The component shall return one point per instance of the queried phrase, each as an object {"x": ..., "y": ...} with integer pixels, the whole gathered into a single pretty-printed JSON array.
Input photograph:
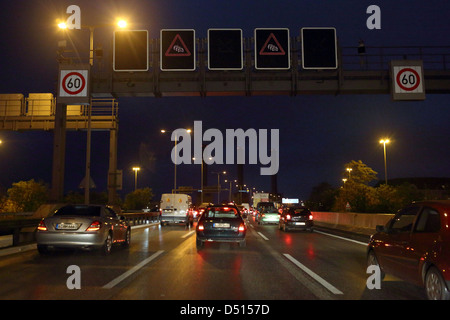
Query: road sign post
[
  {"x": 272, "y": 49},
  {"x": 407, "y": 80}
]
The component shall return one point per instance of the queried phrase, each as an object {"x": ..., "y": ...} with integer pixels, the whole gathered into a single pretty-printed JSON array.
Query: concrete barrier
[{"x": 360, "y": 222}]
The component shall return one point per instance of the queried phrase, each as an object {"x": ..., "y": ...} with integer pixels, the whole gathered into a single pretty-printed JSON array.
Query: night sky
[{"x": 318, "y": 133}]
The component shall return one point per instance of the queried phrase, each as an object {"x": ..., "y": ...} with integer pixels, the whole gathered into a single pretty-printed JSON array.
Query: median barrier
[{"x": 364, "y": 223}]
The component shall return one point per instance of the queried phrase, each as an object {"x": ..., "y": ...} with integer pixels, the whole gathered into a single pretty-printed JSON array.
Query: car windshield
[
  {"x": 267, "y": 208},
  {"x": 221, "y": 212},
  {"x": 88, "y": 211}
]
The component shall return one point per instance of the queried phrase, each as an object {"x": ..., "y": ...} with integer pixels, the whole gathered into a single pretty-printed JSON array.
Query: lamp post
[
  {"x": 175, "y": 164},
  {"x": 135, "y": 169},
  {"x": 349, "y": 170},
  {"x": 384, "y": 141},
  {"x": 218, "y": 184},
  {"x": 63, "y": 26}
]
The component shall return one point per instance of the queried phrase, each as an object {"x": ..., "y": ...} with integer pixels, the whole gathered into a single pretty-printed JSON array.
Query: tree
[
  {"x": 138, "y": 199},
  {"x": 26, "y": 196},
  {"x": 360, "y": 173},
  {"x": 322, "y": 197}
]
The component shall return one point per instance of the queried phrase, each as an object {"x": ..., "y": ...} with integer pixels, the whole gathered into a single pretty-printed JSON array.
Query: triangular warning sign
[
  {"x": 177, "y": 48},
  {"x": 272, "y": 47}
]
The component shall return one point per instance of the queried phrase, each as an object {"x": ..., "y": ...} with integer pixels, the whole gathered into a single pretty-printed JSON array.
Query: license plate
[
  {"x": 221, "y": 225},
  {"x": 300, "y": 223},
  {"x": 67, "y": 226}
]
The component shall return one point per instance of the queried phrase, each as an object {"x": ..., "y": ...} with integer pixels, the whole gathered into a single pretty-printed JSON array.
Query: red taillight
[
  {"x": 310, "y": 217},
  {"x": 95, "y": 226},
  {"x": 242, "y": 228},
  {"x": 42, "y": 226},
  {"x": 288, "y": 217},
  {"x": 200, "y": 227}
]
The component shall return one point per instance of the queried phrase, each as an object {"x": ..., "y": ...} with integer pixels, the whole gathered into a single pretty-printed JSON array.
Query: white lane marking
[
  {"x": 188, "y": 234},
  {"x": 316, "y": 277},
  {"x": 263, "y": 236},
  {"x": 125, "y": 275},
  {"x": 144, "y": 225},
  {"x": 342, "y": 238}
]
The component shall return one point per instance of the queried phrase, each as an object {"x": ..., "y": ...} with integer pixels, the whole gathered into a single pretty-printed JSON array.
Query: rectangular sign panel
[
  {"x": 130, "y": 50},
  {"x": 272, "y": 49},
  {"x": 73, "y": 84},
  {"x": 225, "y": 50},
  {"x": 407, "y": 81},
  {"x": 177, "y": 50},
  {"x": 319, "y": 48}
]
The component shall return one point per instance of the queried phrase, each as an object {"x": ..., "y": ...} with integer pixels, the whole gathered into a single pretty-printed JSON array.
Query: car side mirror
[
  {"x": 380, "y": 228},
  {"x": 122, "y": 218}
]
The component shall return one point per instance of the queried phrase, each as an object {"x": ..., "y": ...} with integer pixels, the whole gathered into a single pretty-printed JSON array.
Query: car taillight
[
  {"x": 95, "y": 226},
  {"x": 242, "y": 228},
  {"x": 42, "y": 226},
  {"x": 310, "y": 217},
  {"x": 200, "y": 227},
  {"x": 288, "y": 217}
]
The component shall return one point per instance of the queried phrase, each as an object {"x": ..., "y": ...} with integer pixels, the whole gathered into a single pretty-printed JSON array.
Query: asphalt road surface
[{"x": 163, "y": 263}]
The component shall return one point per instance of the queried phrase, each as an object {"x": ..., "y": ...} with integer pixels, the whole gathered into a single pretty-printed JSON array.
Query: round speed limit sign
[
  {"x": 408, "y": 79},
  {"x": 73, "y": 83}
]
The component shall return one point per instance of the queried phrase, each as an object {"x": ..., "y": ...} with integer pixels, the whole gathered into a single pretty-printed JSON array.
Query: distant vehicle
[
  {"x": 415, "y": 247},
  {"x": 82, "y": 226},
  {"x": 221, "y": 223},
  {"x": 296, "y": 218},
  {"x": 176, "y": 208},
  {"x": 267, "y": 213}
]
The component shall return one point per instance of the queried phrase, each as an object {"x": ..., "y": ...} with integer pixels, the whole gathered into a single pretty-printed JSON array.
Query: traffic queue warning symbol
[
  {"x": 177, "y": 47},
  {"x": 272, "y": 49}
]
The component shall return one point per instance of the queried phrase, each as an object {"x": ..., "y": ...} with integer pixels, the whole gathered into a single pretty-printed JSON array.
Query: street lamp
[
  {"x": 218, "y": 184},
  {"x": 135, "y": 169},
  {"x": 175, "y": 164},
  {"x": 349, "y": 170},
  {"x": 384, "y": 141}
]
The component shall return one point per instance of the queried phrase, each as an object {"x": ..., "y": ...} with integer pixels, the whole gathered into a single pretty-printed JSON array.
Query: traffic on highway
[{"x": 225, "y": 255}]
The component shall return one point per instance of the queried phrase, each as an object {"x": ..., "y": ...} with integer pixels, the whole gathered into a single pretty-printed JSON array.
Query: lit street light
[
  {"x": 135, "y": 169},
  {"x": 384, "y": 141}
]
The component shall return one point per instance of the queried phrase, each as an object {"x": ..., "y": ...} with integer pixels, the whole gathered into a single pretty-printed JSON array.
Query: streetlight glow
[
  {"x": 121, "y": 23},
  {"x": 62, "y": 25}
]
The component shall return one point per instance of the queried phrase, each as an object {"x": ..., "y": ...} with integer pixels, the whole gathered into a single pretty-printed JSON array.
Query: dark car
[
  {"x": 221, "y": 223},
  {"x": 82, "y": 226},
  {"x": 415, "y": 247},
  {"x": 296, "y": 218}
]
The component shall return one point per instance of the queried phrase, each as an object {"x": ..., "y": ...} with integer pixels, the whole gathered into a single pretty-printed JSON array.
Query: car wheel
[
  {"x": 435, "y": 285},
  {"x": 373, "y": 261},
  {"x": 127, "y": 239},
  {"x": 107, "y": 245},
  {"x": 199, "y": 244},
  {"x": 42, "y": 249}
]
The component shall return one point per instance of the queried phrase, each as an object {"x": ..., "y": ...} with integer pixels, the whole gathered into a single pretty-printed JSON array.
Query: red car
[{"x": 415, "y": 246}]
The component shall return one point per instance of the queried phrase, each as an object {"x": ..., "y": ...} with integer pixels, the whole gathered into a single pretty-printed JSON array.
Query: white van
[{"x": 176, "y": 208}]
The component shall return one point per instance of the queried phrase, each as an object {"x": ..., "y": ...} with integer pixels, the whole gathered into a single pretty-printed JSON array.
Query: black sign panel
[
  {"x": 319, "y": 48},
  {"x": 177, "y": 51},
  {"x": 272, "y": 49},
  {"x": 225, "y": 49},
  {"x": 130, "y": 50}
]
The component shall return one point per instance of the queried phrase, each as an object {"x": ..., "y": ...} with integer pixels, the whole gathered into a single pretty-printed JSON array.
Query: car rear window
[
  {"x": 222, "y": 212},
  {"x": 303, "y": 211},
  {"x": 88, "y": 211}
]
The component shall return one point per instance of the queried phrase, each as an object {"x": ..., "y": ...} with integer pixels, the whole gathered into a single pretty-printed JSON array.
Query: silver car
[{"x": 82, "y": 226}]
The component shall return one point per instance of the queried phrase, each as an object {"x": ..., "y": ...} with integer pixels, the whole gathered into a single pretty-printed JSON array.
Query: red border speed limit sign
[
  {"x": 73, "y": 83},
  {"x": 408, "y": 79}
]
